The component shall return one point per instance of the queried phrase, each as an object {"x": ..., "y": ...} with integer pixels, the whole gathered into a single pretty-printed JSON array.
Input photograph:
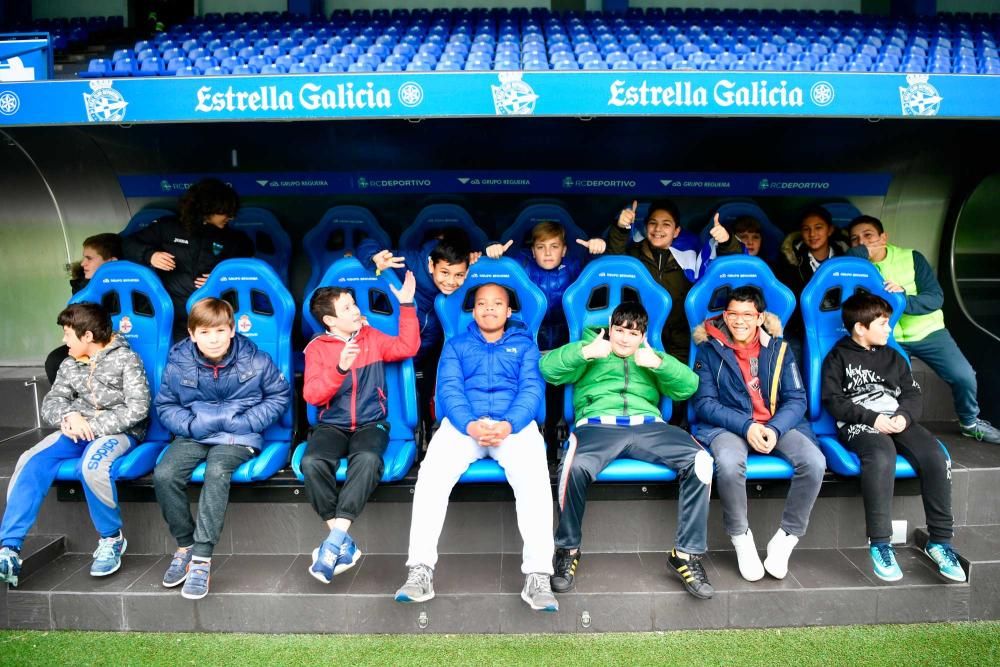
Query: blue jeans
[
  {"x": 940, "y": 351},
  {"x": 171, "y": 477},
  {"x": 731, "y": 451}
]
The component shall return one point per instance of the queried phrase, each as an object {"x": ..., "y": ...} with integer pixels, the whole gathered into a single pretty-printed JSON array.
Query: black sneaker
[
  {"x": 564, "y": 565},
  {"x": 692, "y": 573}
]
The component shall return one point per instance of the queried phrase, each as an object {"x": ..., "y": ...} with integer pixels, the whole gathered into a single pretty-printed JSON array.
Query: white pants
[{"x": 449, "y": 454}]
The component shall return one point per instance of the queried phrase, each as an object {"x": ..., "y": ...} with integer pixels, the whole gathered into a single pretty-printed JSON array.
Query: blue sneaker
[
  {"x": 884, "y": 562},
  {"x": 10, "y": 566},
  {"x": 196, "y": 585},
  {"x": 324, "y": 560},
  {"x": 108, "y": 557},
  {"x": 946, "y": 559},
  {"x": 349, "y": 556},
  {"x": 177, "y": 571}
]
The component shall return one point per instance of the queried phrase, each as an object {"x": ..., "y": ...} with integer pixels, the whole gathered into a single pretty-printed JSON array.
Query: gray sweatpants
[{"x": 594, "y": 446}]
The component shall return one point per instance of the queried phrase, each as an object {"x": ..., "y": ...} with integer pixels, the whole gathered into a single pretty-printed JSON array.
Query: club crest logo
[
  {"x": 244, "y": 325},
  {"x": 105, "y": 105},
  {"x": 513, "y": 97},
  {"x": 919, "y": 98},
  {"x": 9, "y": 103},
  {"x": 125, "y": 324}
]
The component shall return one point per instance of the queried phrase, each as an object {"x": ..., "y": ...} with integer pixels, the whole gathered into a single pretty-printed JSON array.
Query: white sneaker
[
  {"x": 778, "y": 550},
  {"x": 746, "y": 554}
]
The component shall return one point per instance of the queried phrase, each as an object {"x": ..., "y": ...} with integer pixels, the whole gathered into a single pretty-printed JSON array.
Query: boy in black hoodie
[{"x": 869, "y": 390}]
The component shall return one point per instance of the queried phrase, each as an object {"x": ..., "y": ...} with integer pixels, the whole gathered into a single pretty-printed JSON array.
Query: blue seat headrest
[
  {"x": 592, "y": 298},
  {"x": 145, "y": 218},
  {"x": 520, "y": 230},
  {"x": 142, "y": 313},
  {"x": 837, "y": 279},
  {"x": 439, "y": 216},
  {"x": 528, "y": 302},
  {"x": 271, "y": 241},
  {"x": 264, "y": 311},
  {"x": 349, "y": 225}
]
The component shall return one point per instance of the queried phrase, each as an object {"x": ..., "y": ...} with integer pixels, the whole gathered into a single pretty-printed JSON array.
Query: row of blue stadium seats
[
  {"x": 70, "y": 32},
  {"x": 314, "y": 64},
  {"x": 383, "y": 48},
  {"x": 650, "y": 35},
  {"x": 265, "y": 311},
  {"x": 632, "y": 18},
  {"x": 452, "y": 45},
  {"x": 716, "y": 24}
]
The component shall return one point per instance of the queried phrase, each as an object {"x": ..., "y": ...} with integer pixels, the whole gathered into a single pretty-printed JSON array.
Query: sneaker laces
[
  {"x": 978, "y": 429},
  {"x": 564, "y": 561},
  {"x": 885, "y": 554},
  {"x": 696, "y": 568},
  {"x": 419, "y": 575},
  {"x": 539, "y": 582},
  {"x": 946, "y": 553},
  {"x": 106, "y": 548}
]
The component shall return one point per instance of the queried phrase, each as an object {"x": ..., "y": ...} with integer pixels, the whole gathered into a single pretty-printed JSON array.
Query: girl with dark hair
[{"x": 184, "y": 250}]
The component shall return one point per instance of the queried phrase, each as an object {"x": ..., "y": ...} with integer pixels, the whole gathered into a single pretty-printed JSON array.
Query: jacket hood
[
  {"x": 117, "y": 341},
  {"x": 771, "y": 328},
  {"x": 794, "y": 250}
]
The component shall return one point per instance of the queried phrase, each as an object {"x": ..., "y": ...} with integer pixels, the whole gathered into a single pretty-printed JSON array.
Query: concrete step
[{"x": 479, "y": 593}]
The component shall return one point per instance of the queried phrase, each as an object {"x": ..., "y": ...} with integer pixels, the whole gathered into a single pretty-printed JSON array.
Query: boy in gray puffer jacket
[{"x": 100, "y": 402}]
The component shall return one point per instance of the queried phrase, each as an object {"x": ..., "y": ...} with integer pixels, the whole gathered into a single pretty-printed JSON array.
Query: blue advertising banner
[
  {"x": 25, "y": 57},
  {"x": 472, "y": 94},
  {"x": 757, "y": 184}
]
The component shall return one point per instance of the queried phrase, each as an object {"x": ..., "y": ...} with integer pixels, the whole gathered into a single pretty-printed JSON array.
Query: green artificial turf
[{"x": 899, "y": 645}]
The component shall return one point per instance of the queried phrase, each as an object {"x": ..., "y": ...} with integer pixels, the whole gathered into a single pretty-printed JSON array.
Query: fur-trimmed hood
[
  {"x": 771, "y": 328},
  {"x": 794, "y": 250}
]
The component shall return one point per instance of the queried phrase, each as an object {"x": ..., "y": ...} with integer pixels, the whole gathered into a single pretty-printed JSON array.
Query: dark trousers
[
  {"x": 594, "y": 446},
  {"x": 877, "y": 452},
  {"x": 328, "y": 444},
  {"x": 425, "y": 369},
  {"x": 171, "y": 478}
]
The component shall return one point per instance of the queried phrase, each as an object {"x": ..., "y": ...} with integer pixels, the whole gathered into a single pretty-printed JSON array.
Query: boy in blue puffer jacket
[
  {"x": 489, "y": 390},
  {"x": 219, "y": 393},
  {"x": 553, "y": 270}
]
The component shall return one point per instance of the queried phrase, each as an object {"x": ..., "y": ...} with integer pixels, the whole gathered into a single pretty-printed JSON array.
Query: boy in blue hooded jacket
[
  {"x": 219, "y": 393},
  {"x": 489, "y": 390}
]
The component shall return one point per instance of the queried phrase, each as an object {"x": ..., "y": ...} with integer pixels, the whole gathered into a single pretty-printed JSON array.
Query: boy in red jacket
[{"x": 345, "y": 380}]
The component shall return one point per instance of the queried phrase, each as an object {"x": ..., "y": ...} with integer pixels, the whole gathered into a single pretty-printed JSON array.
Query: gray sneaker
[
  {"x": 196, "y": 586},
  {"x": 983, "y": 431},
  {"x": 419, "y": 586},
  {"x": 538, "y": 592},
  {"x": 177, "y": 572}
]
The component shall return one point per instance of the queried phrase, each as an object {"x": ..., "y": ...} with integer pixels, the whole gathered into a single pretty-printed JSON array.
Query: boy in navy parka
[{"x": 219, "y": 393}]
